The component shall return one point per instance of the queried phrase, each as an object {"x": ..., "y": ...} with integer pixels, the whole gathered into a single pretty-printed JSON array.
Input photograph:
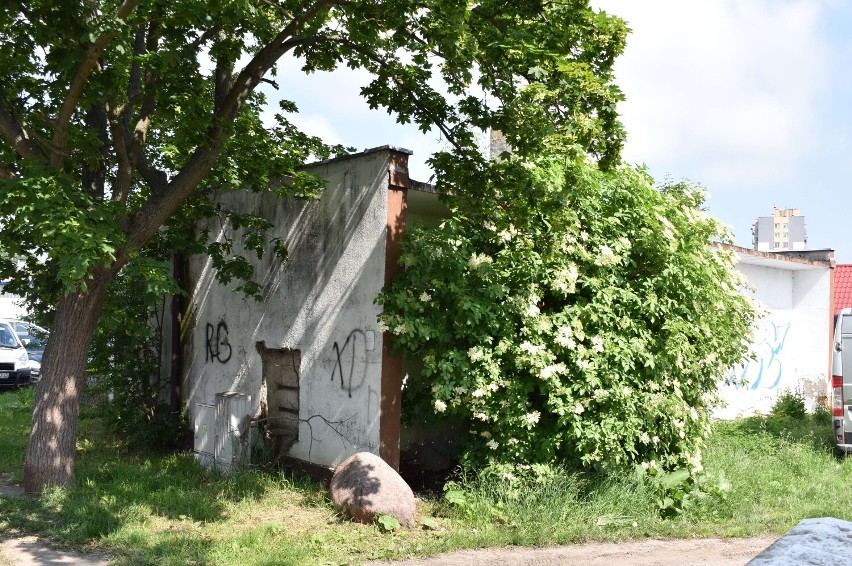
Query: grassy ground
[{"x": 151, "y": 509}]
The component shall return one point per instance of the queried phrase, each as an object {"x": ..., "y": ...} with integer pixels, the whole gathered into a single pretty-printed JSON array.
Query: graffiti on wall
[
  {"x": 766, "y": 370},
  {"x": 344, "y": 362},
  {"x": 217, "y": 346}
]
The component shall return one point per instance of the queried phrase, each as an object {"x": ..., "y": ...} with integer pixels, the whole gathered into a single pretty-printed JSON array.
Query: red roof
[{"x": 842, "y": 287}]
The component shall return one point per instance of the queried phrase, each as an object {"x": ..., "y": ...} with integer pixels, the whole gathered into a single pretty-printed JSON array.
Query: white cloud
[
  {"x": 723, "y": 91},
  {"x": 316, "y": 125},
  {"x": 337, "y": 91}
]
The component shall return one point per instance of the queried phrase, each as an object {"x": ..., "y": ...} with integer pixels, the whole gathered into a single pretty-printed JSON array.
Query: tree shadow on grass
[{"x": 117, "y": 488}]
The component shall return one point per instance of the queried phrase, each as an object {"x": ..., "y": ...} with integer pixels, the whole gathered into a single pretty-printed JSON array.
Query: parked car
[
  {"x": 841, "y": 381},
  {"x": 14, "y": 361},
  {"x": 33, "y": 337}
]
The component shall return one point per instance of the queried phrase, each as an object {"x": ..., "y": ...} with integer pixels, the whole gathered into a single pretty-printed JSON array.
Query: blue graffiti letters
[{"x": 766, "y": 370}]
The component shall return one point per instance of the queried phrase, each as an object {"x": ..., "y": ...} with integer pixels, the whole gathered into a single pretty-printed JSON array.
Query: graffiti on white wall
[
  {"x": 351, "y": 372},
  {"x": 217, "y": 347},
  {"x": 767, "y": 369}
]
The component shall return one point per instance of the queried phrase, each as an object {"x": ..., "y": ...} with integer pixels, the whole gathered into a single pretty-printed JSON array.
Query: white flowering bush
[{"x": 570, "y": 314}]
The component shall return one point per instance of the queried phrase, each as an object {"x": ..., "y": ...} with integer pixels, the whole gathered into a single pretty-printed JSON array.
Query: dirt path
[
  {"x": 29, "y": 551},
  {"x": 691, "y": 552}
]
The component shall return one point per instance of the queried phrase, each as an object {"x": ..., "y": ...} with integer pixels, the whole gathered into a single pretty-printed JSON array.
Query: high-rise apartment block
[{"x": 784, "y": 231}]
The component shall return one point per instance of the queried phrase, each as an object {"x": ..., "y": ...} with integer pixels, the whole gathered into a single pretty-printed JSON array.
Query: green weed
[{"x": 789, "y": 404}]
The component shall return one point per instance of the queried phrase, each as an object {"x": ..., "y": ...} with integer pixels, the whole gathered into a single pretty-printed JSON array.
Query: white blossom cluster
[
  {"x": 530, "y": 348},
  {"x": 564, "y": 337},
  {"x": 565, "y": 280},
  {"x": 606, "y": 257},
  {"x": 553, "y": 369},
  {"x": 695, "y": 461},
  {"x": 532, "y": 311},
  {"x": 475, "y": 353},
  {"x": 400, "y": 328},
  {"x": 477, "y": 260}
]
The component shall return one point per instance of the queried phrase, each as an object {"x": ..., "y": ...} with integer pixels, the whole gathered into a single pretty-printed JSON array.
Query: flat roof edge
[
  {"x": 389, "y": 148},
  {"x": 785, "y": 256}
]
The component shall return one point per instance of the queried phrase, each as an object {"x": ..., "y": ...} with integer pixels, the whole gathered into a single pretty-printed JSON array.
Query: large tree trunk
[{"x": 51, "y": 450}]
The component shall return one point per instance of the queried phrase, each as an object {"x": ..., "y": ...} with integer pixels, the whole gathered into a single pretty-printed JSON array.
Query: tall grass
[
  {"x": 149, "y": 508},
  {"x": 770, "y": 472},
  {"x": 16, "y": 409}
]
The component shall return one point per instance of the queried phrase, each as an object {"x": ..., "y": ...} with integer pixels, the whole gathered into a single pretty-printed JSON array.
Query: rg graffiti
[{"x": 218, "y": 347}]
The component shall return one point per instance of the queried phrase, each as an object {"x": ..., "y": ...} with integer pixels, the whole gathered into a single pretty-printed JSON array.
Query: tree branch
[
  {"x": 149, "y": 100},
  {"x": 94, "y": 177},
  {"x": 16, "y": 134},
  {"x": 280, "y": 9},
  {"x": 134, "y": 84},
  {"x": 251, "y": 74},
  {"x": 208, "y": 34},
  {"x": 224, "y": 75},
  {"x": 156, "y": 179},
  {"x": 124, "y": 174},
  {"x": 145, "y": 223},
  {"x": 75, "y": 89},
  {"x": 131, "y": 152}
]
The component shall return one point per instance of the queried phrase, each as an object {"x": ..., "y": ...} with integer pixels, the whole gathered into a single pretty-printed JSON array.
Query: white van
[
  {"x": 14, "y": 360},
  {"x": 841, "y": 381}
]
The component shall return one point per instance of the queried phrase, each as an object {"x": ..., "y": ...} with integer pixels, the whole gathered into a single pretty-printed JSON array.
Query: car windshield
[
  {"x": 8, "y": 339},
  {"x": 31, "y": 336},
  {"x": 32, "y": 343}
]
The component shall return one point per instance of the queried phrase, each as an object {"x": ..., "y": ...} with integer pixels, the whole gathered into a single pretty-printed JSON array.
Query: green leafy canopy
[{"x": 116, "y": 116}]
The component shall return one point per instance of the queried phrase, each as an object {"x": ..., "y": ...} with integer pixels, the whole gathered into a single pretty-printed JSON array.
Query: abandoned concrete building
[{"x": 308, "y": 359}]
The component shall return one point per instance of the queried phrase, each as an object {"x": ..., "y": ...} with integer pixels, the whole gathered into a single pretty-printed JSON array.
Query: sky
[{"x": 751, "y": 99}]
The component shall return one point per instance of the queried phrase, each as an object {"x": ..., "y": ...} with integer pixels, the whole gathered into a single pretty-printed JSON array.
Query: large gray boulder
[
  {"x": 365, "y": 486},
  {"x": 824, "y": 540}
]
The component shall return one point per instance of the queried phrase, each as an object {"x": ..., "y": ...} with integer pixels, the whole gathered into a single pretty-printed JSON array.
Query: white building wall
[
  {"x": 318, "y": 301},
  {"x": 790, "y": 344},
  {"x": 11, "y": 306}
]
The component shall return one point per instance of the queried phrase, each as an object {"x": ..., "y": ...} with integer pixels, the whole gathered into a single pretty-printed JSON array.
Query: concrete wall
[
  {"x": 318, "y": 301},
  {"x": 791, "y": 344}
]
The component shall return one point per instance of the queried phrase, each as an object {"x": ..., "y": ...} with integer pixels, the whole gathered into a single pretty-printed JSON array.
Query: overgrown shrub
[
  {"x": 822, "y": 412},
  {"x": 570, "y": 314},
  {"x": 125, "y": 356},
  {"x": 789, "y": 404}
]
